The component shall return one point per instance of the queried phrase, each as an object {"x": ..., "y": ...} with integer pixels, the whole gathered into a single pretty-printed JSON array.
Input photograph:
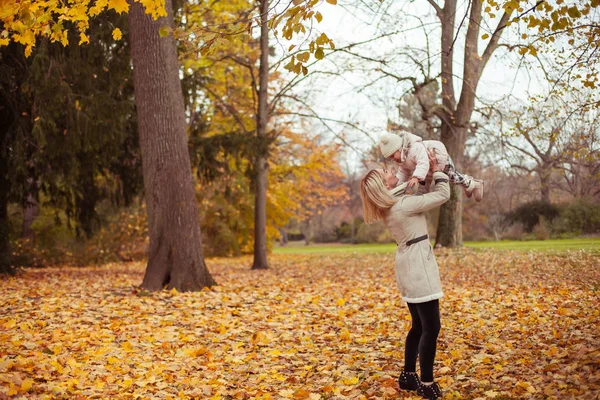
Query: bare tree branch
[
  {"x": 232, "y": 111},
  {"x": 494, "y": 41},
  {"x": 437, "y": 8}
]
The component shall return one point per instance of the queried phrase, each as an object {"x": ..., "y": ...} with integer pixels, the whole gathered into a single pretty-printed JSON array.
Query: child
[{"x": 409, "y": 152}]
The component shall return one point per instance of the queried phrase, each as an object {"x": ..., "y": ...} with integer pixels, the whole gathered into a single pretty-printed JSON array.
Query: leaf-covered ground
[{"x": 514, "y": 326}]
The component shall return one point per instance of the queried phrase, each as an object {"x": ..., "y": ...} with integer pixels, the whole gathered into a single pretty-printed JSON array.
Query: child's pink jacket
[{"x": 414, "y": 160}]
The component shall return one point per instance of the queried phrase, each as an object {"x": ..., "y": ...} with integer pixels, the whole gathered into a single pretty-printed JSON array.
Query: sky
[{"x": 344, "y": 98}]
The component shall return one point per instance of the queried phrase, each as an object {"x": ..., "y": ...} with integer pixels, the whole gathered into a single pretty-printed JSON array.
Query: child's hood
[
  {"x": 411, "y": 138},
  {"x": 408, "y": 140}
]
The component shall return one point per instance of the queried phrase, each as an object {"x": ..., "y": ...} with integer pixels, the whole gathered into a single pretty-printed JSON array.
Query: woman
[{"x": 417, "y": 272}]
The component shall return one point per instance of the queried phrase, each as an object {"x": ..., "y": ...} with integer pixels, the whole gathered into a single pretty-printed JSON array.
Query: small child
[{"x": 409, "y": 152}]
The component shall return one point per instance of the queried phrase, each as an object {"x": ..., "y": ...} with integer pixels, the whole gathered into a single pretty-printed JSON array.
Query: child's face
[{"x": 396, "y": 156}]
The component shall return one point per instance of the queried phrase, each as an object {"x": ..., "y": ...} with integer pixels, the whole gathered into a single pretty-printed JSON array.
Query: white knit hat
[{"x": 390, "y": 143}]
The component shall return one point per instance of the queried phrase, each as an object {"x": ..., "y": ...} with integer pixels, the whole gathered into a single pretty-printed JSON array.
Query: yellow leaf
[
  {"x": 118, "y": 5},
  {"x": 345, "y": 335},
  {"x": 83, "y": 39},
  {"x": 127, "y": 346},
  {"x": 10, "y": 324},
  {"x": 112, "y": 360},
  {"x": 319, "y": 54},
  {"x": 57, "y": 366},
  {"x": 26, "y": 385},
  {"x": 12, "y": 390},
  {"x": 318, "y": 16},
  {"x": 485, "y": 36},
  {"x": 350, "y": 381},
  {"x": 117, "y": 34},
  {"x": 334, "y": 2},
  {"x": 341, "y": 302}
]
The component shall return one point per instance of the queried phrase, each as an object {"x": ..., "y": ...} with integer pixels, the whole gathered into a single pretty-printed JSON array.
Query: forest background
[{"x": 340, "y": 75}]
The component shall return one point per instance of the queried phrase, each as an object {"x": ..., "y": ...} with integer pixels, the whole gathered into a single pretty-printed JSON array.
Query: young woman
[{"x": 417, "y": 272}]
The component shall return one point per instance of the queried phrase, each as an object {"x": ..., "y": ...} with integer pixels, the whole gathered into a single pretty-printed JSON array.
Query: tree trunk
[
  {"x": 175, "y": 258},
  {"x": 260, "y": 217},
  {"x": 7, "y": 116},
  {"x": 449, "y": 231},
  {"x": 85, "y": 203},
  {"x": 544, "y": 175},
  {"x": 5, "y": 263},
  {"x": 30, "y": 212},
  {"x": 261, "y": 167}
]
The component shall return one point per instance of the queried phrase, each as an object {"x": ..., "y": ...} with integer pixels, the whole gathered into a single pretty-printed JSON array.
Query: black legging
[{"x": 422, "y": 338}]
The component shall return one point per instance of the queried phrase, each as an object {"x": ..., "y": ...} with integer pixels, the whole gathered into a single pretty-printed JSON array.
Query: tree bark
[
  {"x": 7, "y": 116},
  {"x": 175, "y": 258},
  {"x": 449, "y": 230},
  {"x": 260, "y": 217},
  {"x": 261, "y": 167},
  {"x": 544, "y": 174},
  {"x": 30, "y": 212},
  {"x": 5, "y": 263}
]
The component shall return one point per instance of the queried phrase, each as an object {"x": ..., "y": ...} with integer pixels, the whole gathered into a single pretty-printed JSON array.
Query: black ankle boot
[
  {"x": 409, "y": 380},
  {"x": 431, "y": 392}
]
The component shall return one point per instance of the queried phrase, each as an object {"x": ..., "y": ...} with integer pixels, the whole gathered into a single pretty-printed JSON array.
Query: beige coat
[{"x": 417, "y": 272}]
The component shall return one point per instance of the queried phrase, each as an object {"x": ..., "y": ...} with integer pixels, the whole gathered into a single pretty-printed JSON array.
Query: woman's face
[{"x": 389, "y": 178}]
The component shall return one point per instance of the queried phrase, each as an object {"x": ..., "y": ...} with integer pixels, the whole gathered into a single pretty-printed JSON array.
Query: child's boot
[
  {"x": 475, "y": 189},
  {"x": 431, "y": 392},
  {"x": 409, "y": 380}
]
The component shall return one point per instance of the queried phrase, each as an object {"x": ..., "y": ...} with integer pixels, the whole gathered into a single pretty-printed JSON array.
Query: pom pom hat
[{"x": 390, "y": 143}]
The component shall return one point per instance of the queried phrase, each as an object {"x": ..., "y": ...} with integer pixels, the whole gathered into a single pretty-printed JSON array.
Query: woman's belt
[{"x": 417, "y": 240}]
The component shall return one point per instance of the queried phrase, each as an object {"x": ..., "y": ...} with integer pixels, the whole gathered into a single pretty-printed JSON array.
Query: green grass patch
[{"x": 591, "y": 244}]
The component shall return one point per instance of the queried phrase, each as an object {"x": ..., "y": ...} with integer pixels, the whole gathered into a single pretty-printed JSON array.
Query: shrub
[
  {"x": 514, "y": 232},
  {"x": 580, "y": 216},
  {"x": 541, "y": 231},
  {"x": 529, "y": 214},
  {"x": 344, "y": 231},
  {"x": 373, "y": 233}
]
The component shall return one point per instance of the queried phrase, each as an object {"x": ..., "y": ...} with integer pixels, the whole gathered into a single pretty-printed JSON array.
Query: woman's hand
[{"x": 433, "y": 162}]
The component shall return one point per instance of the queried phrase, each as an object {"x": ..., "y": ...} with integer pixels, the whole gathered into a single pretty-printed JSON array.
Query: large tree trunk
[
  {"x": 175, "y": 254},
  {"x": 7, "y": 116},
  {"x": 457, "y": 117},
  {"x": 449, "y": 230},
  {"x": 261, "y": 167},
  {"x": 260, "y": 217},
  {"x": 450, "y": 221}
]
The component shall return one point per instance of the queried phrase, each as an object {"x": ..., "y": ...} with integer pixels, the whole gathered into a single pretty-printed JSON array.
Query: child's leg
[{"x": 456, "y": 177}]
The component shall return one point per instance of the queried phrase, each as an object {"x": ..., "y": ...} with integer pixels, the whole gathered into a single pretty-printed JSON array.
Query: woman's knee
[
  {"x": 433, "y": 328},
  {"x": 415, "y": 330}
]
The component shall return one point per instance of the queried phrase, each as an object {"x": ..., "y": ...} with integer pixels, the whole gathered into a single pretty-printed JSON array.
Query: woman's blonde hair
[{"x": 375, "y": 196}]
